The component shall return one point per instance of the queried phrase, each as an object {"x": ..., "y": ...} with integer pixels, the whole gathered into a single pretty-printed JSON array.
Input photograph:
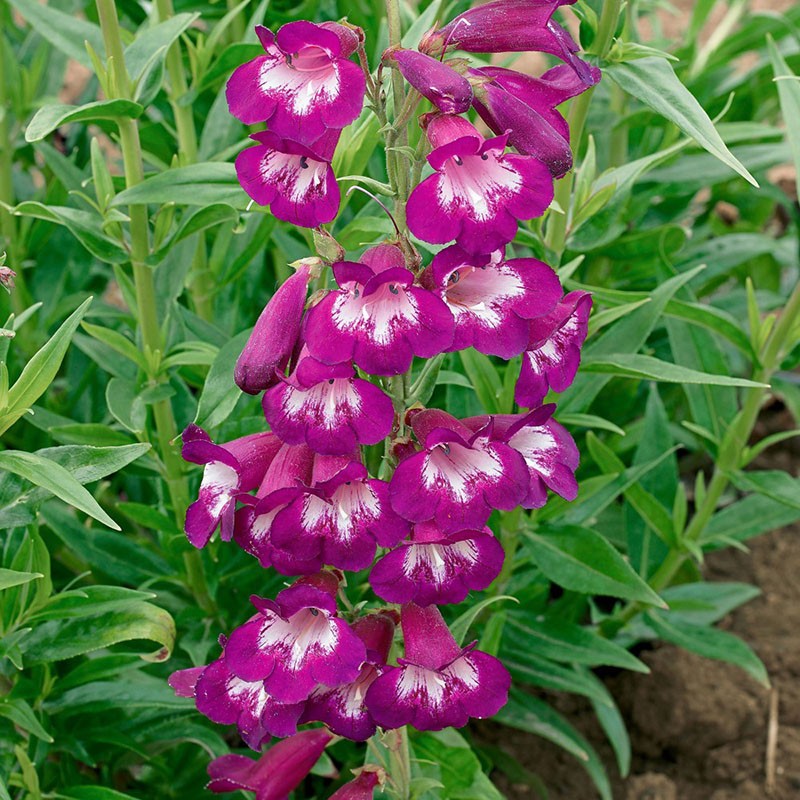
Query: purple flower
[
  {"x": 508, "y": 26},
  {"x": 378, "y": 319},
  {"x": 303, "y": 85},
  {"x": 448, "y": 90},
  {"x": 525, "y": 107},
  {"x": 296, "y": 181},
  {"x": 339, "y": 521},
  {"x": 279, "y": 771},
  {"x": 438, "y": 684},
  {"x": 296, "y": 642},
  {"x": 458, "y": 478},
  {"x": 291, "y": 467},
  {"x": 273, "y": 339},
  {"x": 328, "y": 408},
  {"x": 342, "y": 708},
  {"x": 439, "y": 568},
  {"x": 550, "y": 453},
  {"x": 230, "y": 469},
  {"x": 363, "y": 786},
  {"x": 554, "y": 350},
  {"x": 492, "y": 299},
  {"x": 478, "y": 193}
]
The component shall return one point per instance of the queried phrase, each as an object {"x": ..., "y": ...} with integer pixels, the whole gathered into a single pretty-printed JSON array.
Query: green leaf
[
  {"x": 220, "y": 393},
  {"x": 773, "y": 483},
  {"x": 747, "y": 518},
  {"x": 709, "y": 643},
  {"x": 151, "y": 44},
  {"x": 789, "y": 94},
  {"x": 485, "y": 380},
  {"x": 66, "y": 32},
  {"x": 49, "y": 118},
  {"x": 92, "y": 793},
  {"x": 42, "y": 368},
  {"x": 715, "y": 321},
  {"x": 634, "y": 365},
  {"x": 590, "y": 421},
  {"x": 565, "y": 642},
  {"x": 534, "y": 716},
  {"x": 11, "y": 577},
  {"x": 196, "y": 185},
  {"x": 705, "y": 603},
  {"x": 582, "y": 560},
  {"x": 126, "y": 405},
  {"x": 199, "y": 220},
  {"x": 118, "y": 342},
  {"x": 53, "y": 477},
  {"x": 654, "y": 82},
  {"x": 57, "y": 640},
  {"x": 85, "y": 226},
  {"x": 461, "y": 624},
  {"x": 22, "y": 715}
]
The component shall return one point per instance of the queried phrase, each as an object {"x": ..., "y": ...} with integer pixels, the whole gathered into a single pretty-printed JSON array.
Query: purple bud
[
  {"x": 279, "y": 771},
  {"x": 363, "y": 786},
  {"x": 449, "y": 91},
  {"x": 271, "y": 343}
]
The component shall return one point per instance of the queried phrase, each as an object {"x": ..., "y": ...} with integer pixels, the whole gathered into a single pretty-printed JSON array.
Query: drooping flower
[
  {"x": 550, "y": 453},
  {"x": 291, "y": 467},
  {"x": 342, "y": 708},
  {"x": 492, "y": 299},
  {"x": 478, "y": 192},
  {"x": 508, "y": 26},
  {"x": 378, "y": 319},
  {"x": 437, "y": 568},
  {"x": 363, "y": 786},
  {"x": 230, "y": 469},
  {"x": 437, "y": 684},
  {"x": 458, "y": 478},
  {"x": 339, "y": 521},
  {"x": 525, "y": 107},
  {"x": 554, "y": 350},
  {"x": 277, "y": 773},
  {"x": 296, "y": 642},
  {"x": 328, "y": 408},
  {"x": 447, "y": 89},
  {"x": 303, "y": 85},
  {"x": 296, "y": 181},
  {"x": 274, "y": 336}
]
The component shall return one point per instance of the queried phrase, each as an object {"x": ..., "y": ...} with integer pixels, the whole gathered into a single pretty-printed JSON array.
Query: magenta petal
[
  {"x": 449, "y": 91},
  {"x": 184, "y": 681},
  {"x": 363, "y": 786}
]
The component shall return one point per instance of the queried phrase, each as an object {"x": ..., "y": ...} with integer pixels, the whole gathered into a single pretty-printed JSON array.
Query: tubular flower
[
  {"x": 554, "y": 350},
  {"x": 274, "y": 336},
  {"x": 492, "y": 299},
  {"x": 378, "y": 319},
  {"x": 508, "y": 26},
  {"x": 230, "y": 470},
  {"x": 296, "y": 642},
  {"x": 363, "y": 786},
  {"x": 296, "y": 181},
  {"x": 447, "y": 89},
  {"x": 339, "y": 521},
  {"x": 291, "y": 467},
  {"x": 277, "y": 773},
  {"x": 438, "y": 684},
  {"x": 328, "y": 408},
  {"x": 437, "y": 568},
  {"x": 478, "y": 193},
  {"x": 550, "y": 453},
  {"x": 524, "y": 107},
  {"x": 458, "y": 478},
  {"x": 342, "y": 708},
  {"x": 302, "y": 85}
]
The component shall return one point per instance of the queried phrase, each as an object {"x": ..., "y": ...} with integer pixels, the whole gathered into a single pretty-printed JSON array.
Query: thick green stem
[
  {"x": 729, "y": 459},
  {"x": 400, "y": 133},
  {"x": 163, "y": 418},
  {"x": 579, "y": 110}
]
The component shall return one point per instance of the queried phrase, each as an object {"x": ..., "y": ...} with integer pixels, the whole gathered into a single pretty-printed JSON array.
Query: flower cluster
[{"x": 331, "y": 373}]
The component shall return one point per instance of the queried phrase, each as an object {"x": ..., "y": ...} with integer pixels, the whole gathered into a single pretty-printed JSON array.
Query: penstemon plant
[{"x": 355, "y": 460}]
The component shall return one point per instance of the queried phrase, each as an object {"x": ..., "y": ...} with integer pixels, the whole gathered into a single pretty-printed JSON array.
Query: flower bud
[{"x": 450, "y": 92}]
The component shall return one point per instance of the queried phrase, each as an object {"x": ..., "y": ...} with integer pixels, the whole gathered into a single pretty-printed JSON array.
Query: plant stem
[
  {"x": 728, "y": 460},
  {"x": 202, "y": 282},
  {"x": 166, "y": 429},
  {"x": 579, "y": 110}
]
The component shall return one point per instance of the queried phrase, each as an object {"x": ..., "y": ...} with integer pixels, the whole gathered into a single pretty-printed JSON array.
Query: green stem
[
  {"x": 166, "y": 429},
  {"x": 729, "y": 459},
  {"x": 400, "y": 134},
  {"x": 579, "y": 110}
]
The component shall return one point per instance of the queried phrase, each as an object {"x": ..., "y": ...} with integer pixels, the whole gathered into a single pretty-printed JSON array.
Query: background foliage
[{"x": 690, "y": 265}]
